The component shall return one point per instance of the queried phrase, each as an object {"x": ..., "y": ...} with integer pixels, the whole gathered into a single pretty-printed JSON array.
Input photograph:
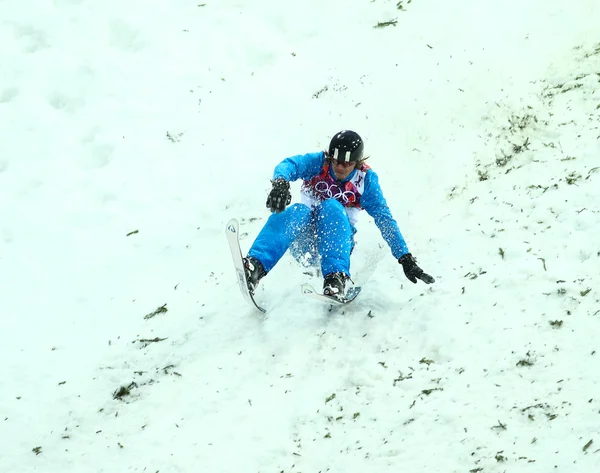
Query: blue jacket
[{"x": 309, "y": 165}]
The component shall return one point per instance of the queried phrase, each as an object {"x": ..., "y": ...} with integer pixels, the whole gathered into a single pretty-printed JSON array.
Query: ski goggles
[{"x": 345, "y": 164}]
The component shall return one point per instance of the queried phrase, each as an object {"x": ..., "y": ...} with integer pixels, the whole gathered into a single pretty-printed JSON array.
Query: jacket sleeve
[
  {"x": 376, "y": 206},
  {"x": 302, "y": 166}
]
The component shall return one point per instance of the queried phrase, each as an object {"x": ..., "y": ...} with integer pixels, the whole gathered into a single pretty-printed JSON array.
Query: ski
[
  {"x": 233, "y": 237},
  {"x": 351, "y": 294}
]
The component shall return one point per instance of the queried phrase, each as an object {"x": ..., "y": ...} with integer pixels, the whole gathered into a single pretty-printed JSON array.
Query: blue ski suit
[{"x": 322, "y": 226}]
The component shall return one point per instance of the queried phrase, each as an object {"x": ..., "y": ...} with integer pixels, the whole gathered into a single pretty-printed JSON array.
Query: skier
[{"x": 336, "y": 186}]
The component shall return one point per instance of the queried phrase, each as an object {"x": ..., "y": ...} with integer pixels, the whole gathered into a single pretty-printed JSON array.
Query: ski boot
[
  {"x": 334, "y": 285},
  {"x": 254, "y": 272}
]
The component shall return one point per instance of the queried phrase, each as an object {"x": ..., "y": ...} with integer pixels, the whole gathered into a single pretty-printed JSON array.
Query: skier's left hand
[{"x": 412, "y": 270}]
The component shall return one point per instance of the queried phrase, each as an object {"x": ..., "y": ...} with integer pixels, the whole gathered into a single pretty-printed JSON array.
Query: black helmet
[{"x": 346, "y": 146}]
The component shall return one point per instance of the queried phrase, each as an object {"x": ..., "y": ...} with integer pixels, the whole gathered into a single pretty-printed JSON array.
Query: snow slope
[{"x": 134, "y": 131}]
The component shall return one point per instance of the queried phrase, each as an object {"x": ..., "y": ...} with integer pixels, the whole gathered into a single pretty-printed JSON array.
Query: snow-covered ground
[{"x": 133, "y": 131}]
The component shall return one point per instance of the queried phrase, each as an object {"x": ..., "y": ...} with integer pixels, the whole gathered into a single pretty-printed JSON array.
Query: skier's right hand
[{"x": 279, "y": 196}]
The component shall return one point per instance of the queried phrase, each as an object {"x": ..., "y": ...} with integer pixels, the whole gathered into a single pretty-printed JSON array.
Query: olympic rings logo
[{"x": 333, "y": 191}]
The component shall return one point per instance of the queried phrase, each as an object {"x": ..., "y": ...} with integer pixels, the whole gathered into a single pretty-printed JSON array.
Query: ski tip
[
  {"x": 232, "y": 226},
  {"x": 262, "y": 310},
  {"x": 307, "y": 289}
]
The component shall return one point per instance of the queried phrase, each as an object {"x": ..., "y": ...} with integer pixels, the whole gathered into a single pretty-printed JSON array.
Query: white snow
[{"x": 166, "y": 119}]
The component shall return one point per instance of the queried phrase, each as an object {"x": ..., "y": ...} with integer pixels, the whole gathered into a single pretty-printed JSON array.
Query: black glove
[
  {"x": 279, "y": 196},
  {"x": 412, "y": 271}
]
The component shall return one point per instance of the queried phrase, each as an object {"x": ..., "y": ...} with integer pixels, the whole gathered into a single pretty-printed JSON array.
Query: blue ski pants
[{"x": 324, "y": 232}]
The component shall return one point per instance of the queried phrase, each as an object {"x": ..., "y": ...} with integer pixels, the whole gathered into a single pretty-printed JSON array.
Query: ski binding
[{"x": 351, "y": 294}]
